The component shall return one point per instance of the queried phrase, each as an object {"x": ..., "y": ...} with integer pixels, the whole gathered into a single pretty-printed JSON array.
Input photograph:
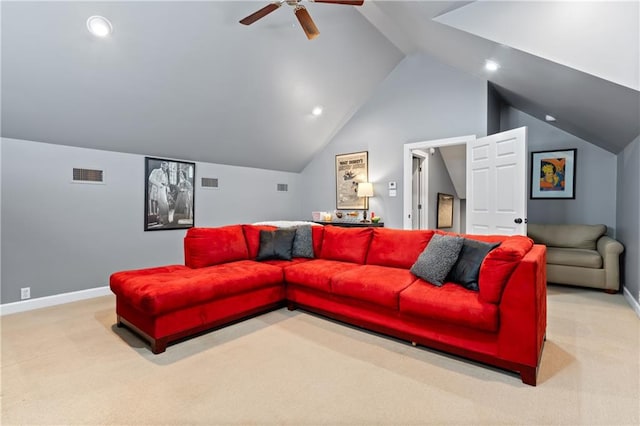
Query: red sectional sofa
[{"x": 360, "y": 276}]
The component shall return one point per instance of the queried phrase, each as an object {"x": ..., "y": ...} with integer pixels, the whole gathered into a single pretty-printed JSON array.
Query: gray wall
[
  {"x": 60, "y": 237},
  {"x": 421, "y": 99},
  {"x": 595, "y": 200},
  {"x": 628, "y": 215},
  {"x": 494, "y": 107},
  {"x": 440, "y": 181}
]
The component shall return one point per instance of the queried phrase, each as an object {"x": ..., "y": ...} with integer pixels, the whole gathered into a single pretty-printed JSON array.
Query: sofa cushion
[
  {"x": 316, "y": 273},
  {"x": 574, "y": 257},
  {"x": 303, "y": 242},
  {"x": 567, "y": 236},
  {"x": 345, "y": 244},
  {"x": 450, "y": 303},
  {"x": 380, "y": 285},
  {"x": 317, "y": 232},
  {"x": 437, "y": 259},
  {"x": 498, "y": 266},
  {"x": 276, "y": 244},
  {"x": 118, "y": 280},
  {"x": 397, "y": 248},
  {"x": 467, "y": 268},
  {"x": 212, "y": 246},
  {"x": 252, "y": 237},
  {"x": 159, "y": 293}
]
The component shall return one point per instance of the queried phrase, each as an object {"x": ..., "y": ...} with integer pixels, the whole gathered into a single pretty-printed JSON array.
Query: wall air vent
[
  {"x": 88, "y": 176},
  {"x": 283, "y": 187},
  {"x": 211, "y": 183}
]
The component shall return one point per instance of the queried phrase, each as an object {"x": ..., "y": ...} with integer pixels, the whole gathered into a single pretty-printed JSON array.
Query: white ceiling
[
  {"x": 186, "y": 80},
  {"x": 598, "y": 38},
  {"x": 593, "y": 108}
]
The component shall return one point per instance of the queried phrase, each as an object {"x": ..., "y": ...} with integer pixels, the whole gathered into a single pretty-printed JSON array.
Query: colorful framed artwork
[
  {"x": 553, "y": 174},
  {"x": 169, "y": 196},
  {"x": 351, "y": 169}
]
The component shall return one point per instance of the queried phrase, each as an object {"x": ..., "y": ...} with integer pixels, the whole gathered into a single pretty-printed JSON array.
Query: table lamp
[{"x": 365, "y": 189}]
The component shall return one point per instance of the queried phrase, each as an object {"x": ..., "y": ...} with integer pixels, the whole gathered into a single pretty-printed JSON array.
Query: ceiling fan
[{"x": 303, "y": 16}]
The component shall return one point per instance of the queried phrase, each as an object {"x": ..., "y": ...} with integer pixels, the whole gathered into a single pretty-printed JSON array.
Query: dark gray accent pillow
[
  {"x": 276, "y": 244},
  {"x": 437, "y": 259},
  {"x": 466, "y": 270},
  {"x": 303, "y": 242}
]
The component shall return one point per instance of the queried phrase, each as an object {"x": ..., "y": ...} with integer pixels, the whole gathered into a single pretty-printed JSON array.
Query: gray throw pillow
[
  {"x": 437, "y": 259},
  {"x": 466, "y": 270},
  {"x": 303, "y": 242}
]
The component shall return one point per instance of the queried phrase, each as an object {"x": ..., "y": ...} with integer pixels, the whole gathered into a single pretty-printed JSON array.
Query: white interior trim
[
  {"x": 58, "y": 299},
  {"x": 419, "y": 148},
  {"x": 631, "y": 300}
]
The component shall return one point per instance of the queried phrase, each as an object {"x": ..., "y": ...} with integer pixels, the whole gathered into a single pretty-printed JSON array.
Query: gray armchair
[{"x": 580, "y": 255}]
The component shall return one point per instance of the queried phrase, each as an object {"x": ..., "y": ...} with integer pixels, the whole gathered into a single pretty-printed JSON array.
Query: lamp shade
[{"x": 365, "y": 189}]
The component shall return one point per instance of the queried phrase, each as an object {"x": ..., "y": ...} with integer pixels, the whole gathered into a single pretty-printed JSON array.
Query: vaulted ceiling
[{"x": 185, "y": 80}]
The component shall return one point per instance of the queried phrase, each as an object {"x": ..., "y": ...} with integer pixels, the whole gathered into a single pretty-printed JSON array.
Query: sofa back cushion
[
  {"x": 345, "y": 244},
  {"x": 252, "y": 237},
  {"x": 212, "y": 246},
  {"x": 566, "y": 236},
  {"x": 499, "y": 264},
  {"x": 397, "y": 248},
  {"x": 317, "y": 233}
]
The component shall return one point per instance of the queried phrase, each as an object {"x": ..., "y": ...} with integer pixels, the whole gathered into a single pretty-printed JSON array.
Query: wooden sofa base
[{"x": 159, "y": 345}]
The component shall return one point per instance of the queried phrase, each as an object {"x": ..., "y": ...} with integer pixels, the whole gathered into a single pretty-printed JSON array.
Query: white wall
[
  {"x": 595, "y": 200},
  {"x": 421, "y": 99},
  {"x": 59, "y": 236},
  {"x": 628, "y": 217}
]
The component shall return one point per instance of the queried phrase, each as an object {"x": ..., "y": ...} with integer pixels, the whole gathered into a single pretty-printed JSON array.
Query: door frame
[
  {"x": 423, "y": 156},
  {"x": 418, "y": 148}
]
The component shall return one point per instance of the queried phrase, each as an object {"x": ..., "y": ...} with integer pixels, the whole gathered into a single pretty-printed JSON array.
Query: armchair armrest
[{"x": 610, "y": 251}]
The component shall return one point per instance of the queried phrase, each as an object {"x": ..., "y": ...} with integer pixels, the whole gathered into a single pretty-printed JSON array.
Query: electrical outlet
[{"x": 25, "y": 293}]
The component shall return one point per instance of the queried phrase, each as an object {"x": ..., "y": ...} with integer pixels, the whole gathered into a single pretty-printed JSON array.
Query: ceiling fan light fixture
[
  {"x": 490, "y": 65},
  {"x": 99, "y": 26}
]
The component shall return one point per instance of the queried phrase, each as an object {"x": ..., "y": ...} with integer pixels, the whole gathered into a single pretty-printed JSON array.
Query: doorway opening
[{"x": 417, "y": 203}]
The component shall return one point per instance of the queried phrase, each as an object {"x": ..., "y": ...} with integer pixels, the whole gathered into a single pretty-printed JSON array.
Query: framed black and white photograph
[
  {"x": 445, "y": 210},
  {"x": 553, "y": 174},
  {"x": 351, "y": 169},
  {"x": 169, "y": 194}
]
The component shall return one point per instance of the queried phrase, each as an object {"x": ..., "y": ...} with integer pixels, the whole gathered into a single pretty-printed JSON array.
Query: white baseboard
[
  {"x": 632, "y": 301},
  {"x": 58, "y": 299}
]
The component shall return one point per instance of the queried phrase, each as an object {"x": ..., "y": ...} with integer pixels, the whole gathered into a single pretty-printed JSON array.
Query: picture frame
[
  {"x": 169, "y": 194},
  {"x": 445, "y": 211},
  {"x": 351, "y": 169},
  {"x": 553, "y": 174}
]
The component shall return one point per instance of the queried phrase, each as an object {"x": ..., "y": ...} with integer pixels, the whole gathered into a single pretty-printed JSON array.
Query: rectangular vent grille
[
  {"x": 88, "y": 175},
  {"x": 283, "y": 187},
  {"x": 209, "y": 182}
]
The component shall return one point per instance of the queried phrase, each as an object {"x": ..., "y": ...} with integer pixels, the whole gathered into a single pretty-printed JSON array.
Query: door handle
[{"x": 518, "y": 220}]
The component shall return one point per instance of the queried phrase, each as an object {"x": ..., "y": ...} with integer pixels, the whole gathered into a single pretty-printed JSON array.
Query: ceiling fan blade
[
  {"x": 307, "y": 23},
  {"x": 260, "y": 13},
  {"x": 347, "y": 2}
]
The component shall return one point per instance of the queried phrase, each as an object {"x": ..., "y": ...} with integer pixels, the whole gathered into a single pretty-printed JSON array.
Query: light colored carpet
[{"x": 69, "y": 365}]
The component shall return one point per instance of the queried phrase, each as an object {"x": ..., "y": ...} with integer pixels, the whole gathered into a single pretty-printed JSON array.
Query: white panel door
[{"x": 496, "y": 184}]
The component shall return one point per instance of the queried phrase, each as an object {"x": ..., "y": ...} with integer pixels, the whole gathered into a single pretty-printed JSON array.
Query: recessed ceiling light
[
  {"x": 317, "y": 111},
  {"x": 549, "y": 117},
  {"x": 99, "y": 26},
  {"x": 491, "y": 65}
]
